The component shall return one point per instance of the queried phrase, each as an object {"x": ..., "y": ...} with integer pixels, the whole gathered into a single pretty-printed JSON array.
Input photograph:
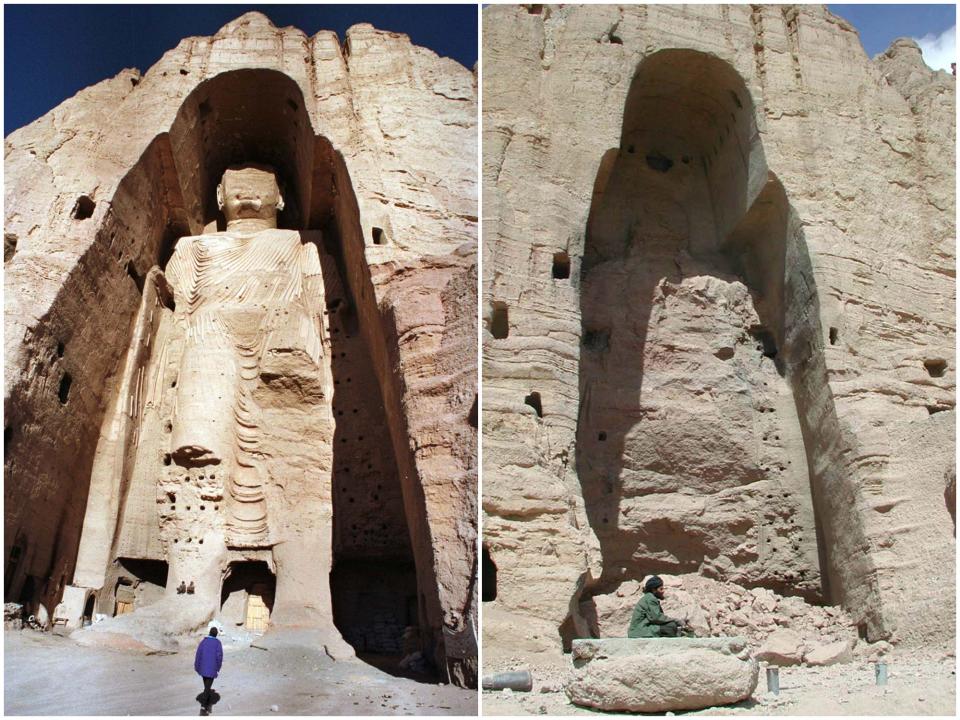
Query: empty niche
[
  {"x": 137, "y": 278},
  {"x": 9, "y": 246},
  {"x": 379, "y": 236},
  {"x": 474, "y": 411},
  {"x": 936, "y": 367},
  {"x": 533, "y": 400},
  {"x": 561, "y": 266},
  {"x": 499, "y": 321},
  {"x": 596, "y": 340},
  {"x": 247, "y": 595},
  {"x": 834, "y": 335},
  {"x": 766, "y": 342},
  {"x": 659, "y": 162},
  {"x": 488, "y": 591},
  {"x": 83, "y": 208},
  {"x": 64, "y": 392}
]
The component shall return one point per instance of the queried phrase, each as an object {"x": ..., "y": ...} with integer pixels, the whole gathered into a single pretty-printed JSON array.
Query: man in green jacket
[{"x": 648, "y": 620}]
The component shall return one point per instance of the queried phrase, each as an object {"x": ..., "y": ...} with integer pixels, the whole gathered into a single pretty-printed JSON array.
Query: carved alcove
[
  {"x": 707, "y": 439},
  {"x": 260, "y": 116}
]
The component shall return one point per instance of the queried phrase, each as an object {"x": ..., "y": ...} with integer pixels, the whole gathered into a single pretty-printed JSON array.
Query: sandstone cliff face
[
  {"x": 376, "y": 141},
  {"x": 718, "y": 312}
]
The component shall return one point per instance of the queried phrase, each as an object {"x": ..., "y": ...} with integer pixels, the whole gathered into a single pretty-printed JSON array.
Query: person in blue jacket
[{"x": 207, "y": 663}]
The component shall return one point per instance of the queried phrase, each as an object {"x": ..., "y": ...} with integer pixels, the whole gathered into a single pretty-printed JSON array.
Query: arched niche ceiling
[
  {"x": 690, "y": 114},
  {"x": 249, "y": 116}
]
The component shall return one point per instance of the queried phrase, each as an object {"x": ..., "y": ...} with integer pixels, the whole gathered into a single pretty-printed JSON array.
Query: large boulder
[{"x": 660, "y": 674}]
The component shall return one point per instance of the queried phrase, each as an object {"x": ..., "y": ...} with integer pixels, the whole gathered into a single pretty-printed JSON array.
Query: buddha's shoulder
[{"x": 228, "y": 238}]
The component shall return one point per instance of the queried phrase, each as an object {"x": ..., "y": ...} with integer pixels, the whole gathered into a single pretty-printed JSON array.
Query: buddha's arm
[{"x": 313, "y": 298}]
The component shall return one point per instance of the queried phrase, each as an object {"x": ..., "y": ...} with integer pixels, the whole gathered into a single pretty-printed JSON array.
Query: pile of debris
[
  {"x": 782, "y": 630},
  {"x": 12, "y": 616}
]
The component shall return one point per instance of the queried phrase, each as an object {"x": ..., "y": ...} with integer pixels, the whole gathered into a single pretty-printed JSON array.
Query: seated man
[{"x": 648, "y": 620}]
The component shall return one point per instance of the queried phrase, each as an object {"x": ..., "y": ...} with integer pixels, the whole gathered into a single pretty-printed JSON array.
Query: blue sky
[
  {"x": 53, "y": 51},
  {"x": 932, "y": 26}
]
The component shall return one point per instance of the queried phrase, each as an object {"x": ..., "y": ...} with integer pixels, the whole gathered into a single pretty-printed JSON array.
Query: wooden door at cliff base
[
  {"x": 258, "y": 615},
  {"x": 124, "y": 607}
]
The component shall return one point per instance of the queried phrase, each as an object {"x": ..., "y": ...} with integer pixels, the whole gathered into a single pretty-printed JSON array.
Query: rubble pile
[{"x": 785, "y": 630}]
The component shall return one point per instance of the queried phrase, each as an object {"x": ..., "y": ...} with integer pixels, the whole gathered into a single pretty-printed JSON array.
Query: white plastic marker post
[
  {"x": 881, "y": 671},
  {"x": 773, "y": 680}
]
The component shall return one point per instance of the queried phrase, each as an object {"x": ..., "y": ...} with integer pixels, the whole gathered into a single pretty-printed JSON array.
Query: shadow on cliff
[{"x": 642, "y": 219}]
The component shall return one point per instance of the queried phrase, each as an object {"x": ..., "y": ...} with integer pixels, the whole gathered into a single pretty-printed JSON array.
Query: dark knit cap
[{"x": 653, "y": 583}]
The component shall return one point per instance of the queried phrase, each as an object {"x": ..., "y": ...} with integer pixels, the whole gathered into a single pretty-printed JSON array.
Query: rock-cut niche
[
  {"x": 705, "y": 419},
  {"x": 243, "y": 461}
]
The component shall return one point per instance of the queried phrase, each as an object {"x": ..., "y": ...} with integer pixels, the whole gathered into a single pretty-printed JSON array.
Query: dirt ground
[
  {"x": 49, "y": 674},
  {"x": 918, "y": 684}
]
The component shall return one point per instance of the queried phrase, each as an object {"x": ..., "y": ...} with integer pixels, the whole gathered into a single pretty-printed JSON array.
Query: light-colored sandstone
[
  {"x": 782, "y": 647},
  {"x": 838, "y": 652},
  {"x": 656, "y": 675},
  {"x": 719, "y": 248},
  {"x": 714, "y": 608},
  {"x": 296, "y": 399}
]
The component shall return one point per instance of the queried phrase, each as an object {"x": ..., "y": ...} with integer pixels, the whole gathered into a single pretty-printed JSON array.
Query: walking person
[{"x": 207, "y": 663}]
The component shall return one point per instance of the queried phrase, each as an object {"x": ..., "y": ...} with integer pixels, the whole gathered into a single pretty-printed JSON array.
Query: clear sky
[
  {"x": 53, "y": 51},
  {"x": 932, "y": 26}
]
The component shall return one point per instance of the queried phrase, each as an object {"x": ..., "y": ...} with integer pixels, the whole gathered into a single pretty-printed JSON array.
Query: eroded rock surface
[{"x": 718, "y": 312}]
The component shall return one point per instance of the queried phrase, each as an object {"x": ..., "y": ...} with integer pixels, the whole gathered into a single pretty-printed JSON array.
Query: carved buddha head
[{"x": 249, "y": 197}]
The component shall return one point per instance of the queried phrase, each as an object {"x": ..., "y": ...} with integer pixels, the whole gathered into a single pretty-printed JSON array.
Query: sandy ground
[
  {"x": 48, "y": 674},
  {"x": 918, "y": 684}
]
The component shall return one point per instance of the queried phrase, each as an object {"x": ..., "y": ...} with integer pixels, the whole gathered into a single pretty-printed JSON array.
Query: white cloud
[{"x": 939, "y": 50}]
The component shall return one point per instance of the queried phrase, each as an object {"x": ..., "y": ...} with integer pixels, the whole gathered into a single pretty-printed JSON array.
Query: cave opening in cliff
[
  {"x": 533, "y": 400},
  {"x": 488, "y": 591},
  {"x": 87, "y": 618},
  {"x": 132, "y": 583},
  {"x": 935, "y": 367},
  {"x": 499, "y": 321},
  {"x": 376, "y": 608},
  {"x": 671, "y": 416},
  {"x": 247, "y": 595}
]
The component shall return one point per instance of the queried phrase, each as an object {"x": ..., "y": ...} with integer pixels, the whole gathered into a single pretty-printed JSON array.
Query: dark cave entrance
[
  {"x": 247, "y": 595},
  {"x": 136, "y": 583},
  {"x": 88, "y": 610},
  {"x": 488, "y": 589}
]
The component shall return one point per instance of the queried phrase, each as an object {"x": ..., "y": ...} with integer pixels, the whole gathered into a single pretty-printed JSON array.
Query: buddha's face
[{"x": 250, "y": 193}]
